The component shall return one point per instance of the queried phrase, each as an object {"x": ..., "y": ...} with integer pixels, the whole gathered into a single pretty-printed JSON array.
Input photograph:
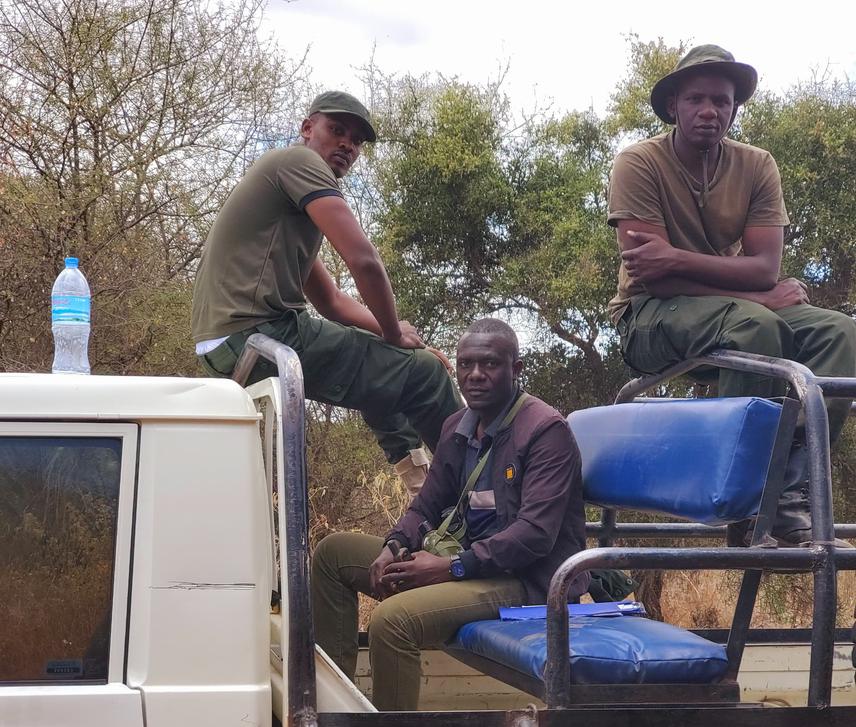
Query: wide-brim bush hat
[{"x": 712, "y": 59}]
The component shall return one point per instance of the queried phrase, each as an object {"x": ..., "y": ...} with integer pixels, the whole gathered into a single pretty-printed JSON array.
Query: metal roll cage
[{"x": 821, "y": 558}]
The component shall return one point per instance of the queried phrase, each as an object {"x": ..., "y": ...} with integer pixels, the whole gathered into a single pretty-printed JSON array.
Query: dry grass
[{"x": 706, "y": 599}]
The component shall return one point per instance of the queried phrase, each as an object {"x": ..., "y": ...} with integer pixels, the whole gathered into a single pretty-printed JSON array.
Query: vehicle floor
[{"x": 773, "y": 674}]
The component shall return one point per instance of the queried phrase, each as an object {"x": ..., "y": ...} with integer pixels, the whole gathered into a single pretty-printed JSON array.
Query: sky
[{"x": 561, "y": 55}]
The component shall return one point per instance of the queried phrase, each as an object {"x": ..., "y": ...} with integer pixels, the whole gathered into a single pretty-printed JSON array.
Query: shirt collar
[{"x": 470, "y": 420}]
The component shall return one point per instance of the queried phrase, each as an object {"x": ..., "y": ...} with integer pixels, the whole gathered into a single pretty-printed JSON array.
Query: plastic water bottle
[{"x": 70, "y": 307}]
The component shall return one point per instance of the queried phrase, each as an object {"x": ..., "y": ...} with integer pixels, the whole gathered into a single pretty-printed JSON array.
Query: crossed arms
[{"x": 666, "y": 271}]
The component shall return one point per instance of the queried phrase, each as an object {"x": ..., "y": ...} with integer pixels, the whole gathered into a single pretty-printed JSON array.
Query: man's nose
[
  {"x": 708, "y": 110},
  {"x": 476, "y": 372}
]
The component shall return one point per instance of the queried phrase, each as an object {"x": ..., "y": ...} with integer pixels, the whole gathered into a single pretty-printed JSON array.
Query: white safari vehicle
[{"x": 141, "y": 583}]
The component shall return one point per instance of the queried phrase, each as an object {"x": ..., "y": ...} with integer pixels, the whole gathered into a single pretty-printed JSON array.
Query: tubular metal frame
[
  {"x": 293, "y": 515},
  {"x": 821, "y": 558}
]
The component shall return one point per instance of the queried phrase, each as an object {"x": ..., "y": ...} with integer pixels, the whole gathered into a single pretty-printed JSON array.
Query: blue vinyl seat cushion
[
  {"x": 623, "y": 650},
  {"x": 703, "y": 460}
]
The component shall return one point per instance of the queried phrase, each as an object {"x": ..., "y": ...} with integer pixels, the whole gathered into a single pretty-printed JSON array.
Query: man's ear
[
  {"x": 517, "y": 368},
  {"x": 306, "y": 128},
  {"x": 671, "y": 103}
]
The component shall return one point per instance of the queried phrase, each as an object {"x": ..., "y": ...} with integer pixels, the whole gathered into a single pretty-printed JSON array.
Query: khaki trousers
[{"x": 400, "y": 625}]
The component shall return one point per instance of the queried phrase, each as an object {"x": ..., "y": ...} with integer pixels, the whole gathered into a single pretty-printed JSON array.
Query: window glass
[{"x": 58, "y": 506}]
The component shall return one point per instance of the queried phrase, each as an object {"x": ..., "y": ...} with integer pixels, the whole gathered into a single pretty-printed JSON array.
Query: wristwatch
[{"x": 456, "y": 568}]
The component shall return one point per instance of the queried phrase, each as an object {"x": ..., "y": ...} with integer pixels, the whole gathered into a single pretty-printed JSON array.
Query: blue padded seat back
[
  {"x": 620, "y": 650},
  {"x": 703, "y": 460}
]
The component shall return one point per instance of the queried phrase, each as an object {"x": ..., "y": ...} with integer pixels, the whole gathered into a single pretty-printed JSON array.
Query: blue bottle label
[{"x": 70, "y": 309}]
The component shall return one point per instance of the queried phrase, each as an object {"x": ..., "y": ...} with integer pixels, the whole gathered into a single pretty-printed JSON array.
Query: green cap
[
  {"x": 711, "y": 58},
  {"x": 339, "y": 102}
]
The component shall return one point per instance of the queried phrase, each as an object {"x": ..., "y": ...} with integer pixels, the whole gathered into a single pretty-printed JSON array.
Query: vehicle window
[{"x": 58, "y": 507}]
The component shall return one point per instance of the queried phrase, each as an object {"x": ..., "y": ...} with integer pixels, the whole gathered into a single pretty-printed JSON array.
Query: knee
[
  {"x": 325, "y": 559},
  {"x": 427, "y": 366},
  {"x": 756, "y": 329},
  {"x": 389, "y": 624},
  {"x": 839, "y": 328}
]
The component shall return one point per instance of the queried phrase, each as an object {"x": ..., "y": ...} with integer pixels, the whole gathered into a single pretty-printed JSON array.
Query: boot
[
  {"x": 792, "y": 524},
  {"x": 413, "y": 469}
]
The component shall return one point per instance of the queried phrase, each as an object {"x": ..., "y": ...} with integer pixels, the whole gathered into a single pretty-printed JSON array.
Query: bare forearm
[
  {"x": 671, "y": 286},
  {"x": 374, "y": 287},
  {"x": 734, "y": 273},
  {"x": 341, "y": 228},
  {"x": 350, "y": 312}
]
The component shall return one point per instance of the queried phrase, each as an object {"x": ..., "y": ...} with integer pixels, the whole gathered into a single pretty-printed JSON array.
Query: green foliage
[
  {"x": 445, "y": 203},
  {"x": 811, "y": 133},
  {"x": 630, "y": 112},
  {"x": 563, "y": 378},
  {"x": 562, "y": 254},
  {"x": 123, "y": 125}
]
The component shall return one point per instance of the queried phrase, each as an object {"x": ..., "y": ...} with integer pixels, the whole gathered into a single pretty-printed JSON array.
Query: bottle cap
[{"x": 71, "y": 262}]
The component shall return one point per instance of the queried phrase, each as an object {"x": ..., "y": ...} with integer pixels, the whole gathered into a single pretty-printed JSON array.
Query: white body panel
[
  {"x": 201, "y": 580},
  {"x": 195, "y": 597},
  {"x": 108, "y": 705}
]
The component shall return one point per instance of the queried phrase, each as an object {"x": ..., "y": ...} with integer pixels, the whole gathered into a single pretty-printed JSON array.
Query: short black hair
[{"x": 496, "y": 327}]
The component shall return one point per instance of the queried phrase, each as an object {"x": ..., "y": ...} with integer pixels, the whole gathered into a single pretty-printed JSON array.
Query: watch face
[{"x": 457, "y": 569}]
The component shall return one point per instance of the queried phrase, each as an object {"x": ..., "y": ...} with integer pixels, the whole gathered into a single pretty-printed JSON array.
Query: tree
[
  {"x": 562, "y": 257},
  {"x": 630, "y": 112},
  {"x": 811, "y": 132},
  {"x": 123, "y": 124},
  {"x": 479, "y": 214},
  {"x": 443, "y": 200}
]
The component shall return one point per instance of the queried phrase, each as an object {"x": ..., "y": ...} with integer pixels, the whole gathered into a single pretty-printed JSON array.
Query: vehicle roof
[{"x": 67, "y": 396}]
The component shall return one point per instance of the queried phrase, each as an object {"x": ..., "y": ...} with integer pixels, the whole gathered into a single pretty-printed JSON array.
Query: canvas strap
[{"x": 474, "y": 476}]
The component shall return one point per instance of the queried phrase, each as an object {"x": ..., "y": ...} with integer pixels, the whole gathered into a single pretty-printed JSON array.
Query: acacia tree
[
  {"x": 811, "y": 132},
  {"x": 123, "y": 123},
  {"x": 444, "y": 202},
  {"x": 560, "y": 264},
  {"x": 630, "y": 114}
]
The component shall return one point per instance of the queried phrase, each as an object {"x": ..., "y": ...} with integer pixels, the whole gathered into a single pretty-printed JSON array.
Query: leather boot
[
  {"x": 413, "y": 469},
  {"x": 792, "y": 524}
]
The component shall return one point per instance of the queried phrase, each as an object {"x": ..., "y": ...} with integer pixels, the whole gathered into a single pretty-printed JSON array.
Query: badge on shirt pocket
[{"x": 510, "y": 473}]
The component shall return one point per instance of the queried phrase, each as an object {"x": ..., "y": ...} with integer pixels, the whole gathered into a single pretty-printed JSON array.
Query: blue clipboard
[{"x": 608, "y": 609}]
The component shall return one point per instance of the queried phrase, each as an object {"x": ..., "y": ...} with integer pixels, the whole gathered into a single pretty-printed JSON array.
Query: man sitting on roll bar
[
  {"x": 524, "y": 517},
  {"x": 700, "y": 222},
  {"x": 261, "y": 264}
]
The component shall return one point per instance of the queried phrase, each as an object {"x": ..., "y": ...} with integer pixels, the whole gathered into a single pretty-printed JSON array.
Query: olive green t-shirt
[
  {"x": 262, "y": 246},
  {"x": 649, "y": 183}
]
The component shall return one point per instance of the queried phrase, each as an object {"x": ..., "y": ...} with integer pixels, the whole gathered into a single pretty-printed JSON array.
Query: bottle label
[{"x": 70, "y": 309}]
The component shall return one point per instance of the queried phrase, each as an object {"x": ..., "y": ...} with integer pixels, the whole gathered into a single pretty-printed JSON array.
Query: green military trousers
[
  {"x": 404, "y": 394},
  {"x": 400, "y": 625},
  {"x": 656, "y": 333}
]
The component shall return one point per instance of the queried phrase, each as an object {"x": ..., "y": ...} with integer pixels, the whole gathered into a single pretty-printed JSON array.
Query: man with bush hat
[
  {"x": 260, "y": 265},
  {"x": 700, "y": 221}
]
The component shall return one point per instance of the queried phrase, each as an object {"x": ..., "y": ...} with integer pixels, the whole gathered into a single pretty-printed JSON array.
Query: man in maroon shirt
[{"x": 524, "y": 517}]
